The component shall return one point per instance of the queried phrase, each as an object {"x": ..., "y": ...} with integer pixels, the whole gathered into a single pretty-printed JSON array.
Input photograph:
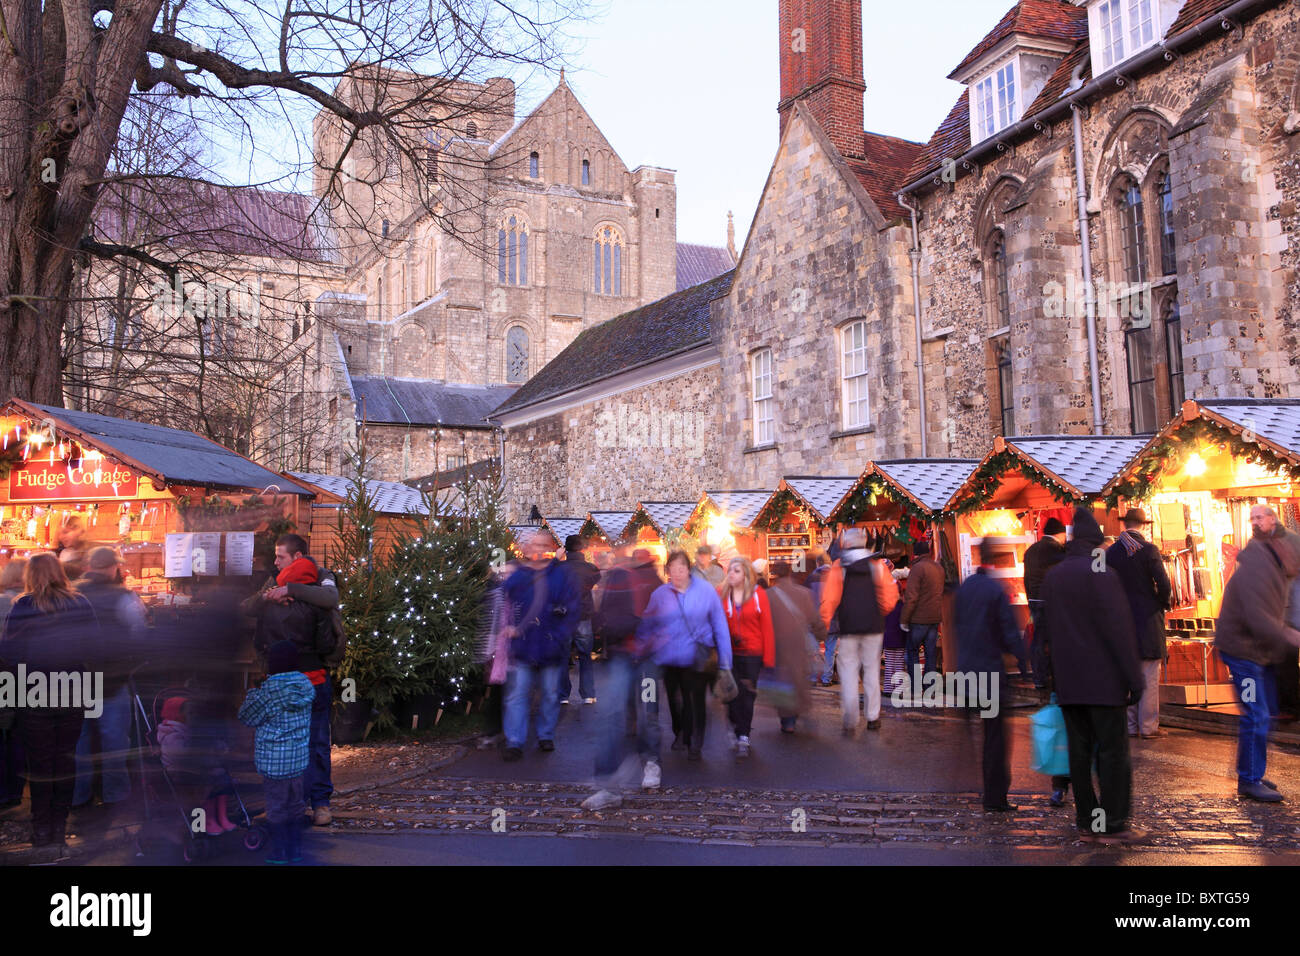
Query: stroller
[{"x": 164, "y": 785}]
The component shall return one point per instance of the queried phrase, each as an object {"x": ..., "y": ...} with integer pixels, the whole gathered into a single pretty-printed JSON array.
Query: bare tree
[{"x": 391, "y": 81}]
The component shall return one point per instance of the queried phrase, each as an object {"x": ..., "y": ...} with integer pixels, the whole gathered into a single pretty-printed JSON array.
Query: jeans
[
  {"x": 1144, "y": 716},
  {"x": 582, "y": 643},
  {"x": 519, "y": 692},
  {"x": 831, "y": 641},
  {"x": 626, "y": 678},
  {"x": 1254, "y": 681},
  {"x": 50, "y": 739},
  {"x": 685, "y": 688},
  {"x": 1097, "y": 732},
  {"x": 745, "y": 669},
  {"x": 317, "y": 785},
  {"x": 13, "y": 767},
  {"x": 284, "y": 799},
  {"x": 860, "y": 652},
  {"x": 110, "y": 735},
  {"x": 927, "y": 636}
]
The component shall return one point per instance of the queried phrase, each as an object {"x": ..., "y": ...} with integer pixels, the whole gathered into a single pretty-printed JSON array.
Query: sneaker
[
  {"x": 603, "y": 800},
  {"x": 511, "y": 754},
  {"x": 1258, "y": 791},
  {"x": 565, "y": 701},
  {"x": 652, "y": 776},
  {"x": 322, "y": 817},
  {"x": 546, "y": 746},
  {"x": 1057, "y": 799},
  {"x": 873, "y": 724},
  {"x": 742, "y": 748},
  {"x": 589, "y": 700}
]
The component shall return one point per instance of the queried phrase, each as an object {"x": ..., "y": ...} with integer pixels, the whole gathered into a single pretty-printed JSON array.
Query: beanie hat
[
  {"x": 172, "y": 709},
  {"x": 301, "y": 571},
  {"x": 1052, "y": 527},
  {"x": 282, "y": 656},
  {"x": 573, "y": 543}
]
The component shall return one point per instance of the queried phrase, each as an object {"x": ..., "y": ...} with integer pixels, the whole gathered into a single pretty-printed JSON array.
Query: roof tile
[
  {"x": 696, "y": 264},
  {"x": 884, "y": 173},
  {"x": 1046, "y": 19}
]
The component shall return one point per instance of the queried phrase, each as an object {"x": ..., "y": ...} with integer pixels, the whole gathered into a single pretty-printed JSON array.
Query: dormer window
[
  {"x": 996, "y": 105},
  {"x": 1121, "y": 28}
]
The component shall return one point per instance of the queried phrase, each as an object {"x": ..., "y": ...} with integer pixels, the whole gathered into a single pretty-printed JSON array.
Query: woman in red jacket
[{"x": 749, "y": 619}]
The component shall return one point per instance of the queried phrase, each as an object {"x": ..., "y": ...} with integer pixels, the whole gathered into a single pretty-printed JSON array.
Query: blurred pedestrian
[
  {"x": 753, "y": 646},
  {"x": 1146, "y": 585},
  {"x": 586, "y": 576},
  {"x": 1040, "y": 557},
  {"x": 1252, "y": 634},
  {"x": 1096, "y": 673},
  {"x": 816, "y": 583},
  {"x": 798, "y": 627},
  {"x": 922, "y": 610},
  {"x": 48, "y": 631},
  {"x": 13, "y": 762},
  {"x": 707, "y": 568},
  {"x": 986, "y": 629}
]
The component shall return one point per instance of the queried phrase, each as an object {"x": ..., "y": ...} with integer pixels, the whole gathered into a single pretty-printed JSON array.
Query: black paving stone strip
[{"x": 761, "y": 817}]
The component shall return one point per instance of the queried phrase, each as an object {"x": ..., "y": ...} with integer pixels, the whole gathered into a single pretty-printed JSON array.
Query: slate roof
[
  {"x": 1275, "y": 420},
  {"x": 561, "y": 528},
  {"x": 1047, "y": 19},
  {"x": 821, "y": 494},
  {"x": 740, "y": 507},
  {"x": 673, "y": 324},
  {"x": 612, "y": 524},
  {"x": 520, "y": 531},
  {"x": 667, "y": 514},
  {"x": 389, "y": 497},
  {"x": 176, "y": 455},
  {"x": 399, "y": 401},
  {"x": 1086, "y": 462},
  {"x": 889, "y": 159},
  {"x": 696, "y": 264},
  {"x": 234, "y": 220},
  {"x": 931, "y": 481}
]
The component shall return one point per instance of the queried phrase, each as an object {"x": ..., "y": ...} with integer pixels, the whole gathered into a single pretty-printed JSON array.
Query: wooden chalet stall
[
  {"x": 605, "y": 528},
  {"x": 657, "y": 525},
  {"x": 562, "y": 528},
  {"x": 796, "y": 518},
  {"x": 722, "y": 520},
  {"x": 399, "y": 508},
  {"x": 1197, "y": 480},
  {"x": 181, "y": 509}
]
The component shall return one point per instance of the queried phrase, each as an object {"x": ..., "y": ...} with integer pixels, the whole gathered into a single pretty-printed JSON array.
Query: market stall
[
  {"x": 606, "y": 527},
  {"x": 796, "y": 518},
  {"x": 1197, "y": 480},
  {"x": 518, "y": 532},
  {"x": 181, "y": 509},
  {"x": 562, "y": 528},
  {"x": 722, "y": 520},
  {"x": 657, "y": 526},
  {"x": 395, "y": 505}
]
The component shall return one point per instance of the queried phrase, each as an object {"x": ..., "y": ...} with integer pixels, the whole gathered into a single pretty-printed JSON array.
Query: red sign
[{"x": 41, "y": 481}]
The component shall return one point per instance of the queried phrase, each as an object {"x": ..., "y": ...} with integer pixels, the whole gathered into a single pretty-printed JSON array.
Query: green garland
[
  {"x": 590, "y": 531},
  {"x": 700, "y": 516},
  {"x": 639, "y": 520},
  {"x": 987, "y": 479},
  {"x": 769, "y": 519},
  {"x": 866, "y": 497}
]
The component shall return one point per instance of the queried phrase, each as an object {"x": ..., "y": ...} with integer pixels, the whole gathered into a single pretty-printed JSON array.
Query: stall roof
[
  {"x": 1082, "y": 465},
  {"x": 1273, "y": 423},
  {"x": 521, "y": 531},
  {"x": 167, "y": 454},
  {"x": 741, "y": 507},
  {"x": 390, "y": 497},
  {"x": 821, "y": 495},
  {"x": 667, "y": 514},
  {"x": 612, "y": 524},
  {"x": 561, "y": 528},
  {"x": 929, "y": 482}
]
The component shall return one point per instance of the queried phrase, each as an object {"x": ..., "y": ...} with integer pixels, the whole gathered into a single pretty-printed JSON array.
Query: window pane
[
  {"x": 1000, "y": 270},
  {"x": 595, "y": 269},
  {"x": 1168, "y": 251},
  {"x": 1141, "y": 379},
  {"x": 532, "y": 165},
  {"x": 512, "y": 273},
  {"x": 1174, "y": 355},
  {"x": 501, "y": 256},
  {"x": 523, "y": 258},
  {"x": 1006, "y": 96},
  {"x": 1133, "y": 229},
  {"x": 618, "y": 270}
]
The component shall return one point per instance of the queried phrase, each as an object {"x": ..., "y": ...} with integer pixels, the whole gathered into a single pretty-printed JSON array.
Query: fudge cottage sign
[{"x": 41, "y": 481}]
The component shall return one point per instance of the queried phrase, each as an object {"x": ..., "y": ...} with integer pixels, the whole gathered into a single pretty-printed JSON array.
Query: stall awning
[
  {"x": 738, "y": 507},
  {"x": 1070, "y": 468},
  {"x": 922, "y": 485},
  {"x": 821, "y": 496},
  {"x": 611, "y": 524},
  {"x": 561, "y": 528},
  {"x": 1265, "y": 429},
  {"x": 664, "y": 515},
  {"x": 167, "y": 455}
]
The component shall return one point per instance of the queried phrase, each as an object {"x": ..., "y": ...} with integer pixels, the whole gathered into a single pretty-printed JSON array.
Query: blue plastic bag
[{"x": 1051, "y": 746}]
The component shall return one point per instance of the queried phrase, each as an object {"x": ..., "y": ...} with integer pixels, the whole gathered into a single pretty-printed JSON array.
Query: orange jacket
[{"x": 833, "y": 590}]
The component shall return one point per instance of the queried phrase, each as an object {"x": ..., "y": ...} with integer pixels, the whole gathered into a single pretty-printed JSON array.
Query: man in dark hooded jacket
[{"x": 1096, "y": 672}]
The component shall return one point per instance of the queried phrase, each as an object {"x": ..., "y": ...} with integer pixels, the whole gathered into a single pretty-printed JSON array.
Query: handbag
[
  {"x": 725, "y": 688},
  {"x": 706, "y": 655},
  {"x": 1051, "y": 745}
]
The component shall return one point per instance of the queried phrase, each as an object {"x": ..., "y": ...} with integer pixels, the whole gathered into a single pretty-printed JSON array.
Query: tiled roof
[
  {"x": 1048, "y": 19},
  {"x": 1194, "y": 11},
  {"x": 474, "y": 471},
  {"x": 931, "y": 481},
  {"x": 821, "y": 494},
  {"x": 949, "y": 141},
  {"x": 561, "y": 528},
  {"x": 399, "y": 401},
  {"x": 696, "y": 264},
  {"x": 740, "y": 507},
  {"x": 667, "y": 514},
  {"x": 1086, "y": 462},
  {"x": 521, "y": 531},
  {"x": 1275, "y": 420},
  {"x": 241, "y": 221},
  {"x": 673, "y": 324},
  {"x": 612, "y": 524},
  {"x": 1062, "y": 77},
  {"x": 885, "y": 171},
  {"x": 178, "y": 456},
  {"x": 388, "y": 497}
]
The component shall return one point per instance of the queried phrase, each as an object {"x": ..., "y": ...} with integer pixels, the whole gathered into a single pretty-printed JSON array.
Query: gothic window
[
  {"x": 471, "y": 129},
  {"x": 586, "y": 172},
  {"x": 1168, "y": 250},
  {"x": 857, "y": 408},
  {"x": 517, "y": 355},
  {"x": 1132, "y": 224},
  {"x": 1174, "y": 354},
  {"x": 512, "y": 252},
  {"x": 607, "y": 262},
  {"x": 1006, "y": 393},
  {"x": 534, "y": 165},
  {"x": 306, "y": 318},
  {"x": 764, "y": 405},
  {"x": 1139, "y": 348},
  {"x": 430, "y": 269},
  {"x": 1002, "y": 296}
]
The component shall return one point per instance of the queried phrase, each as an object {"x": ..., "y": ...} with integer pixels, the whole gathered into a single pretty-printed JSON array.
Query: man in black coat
[
  {"x": 1041, "y": 557},
  {"x": 587, "y": 576},
  {"x": 1139, "y": 566},
  {"x": 986, "y": 630},
  {"x": 1096, "y": 673}
]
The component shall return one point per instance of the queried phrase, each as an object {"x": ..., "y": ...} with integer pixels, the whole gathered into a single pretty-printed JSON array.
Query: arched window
[
  {"x": 1139, "y": 348},
  {"x": 1006, "y": 394},
  {"x": 607, "y": 262},
  {"x": 764, "y": 406},
  {"x": 1132, "y": 227},
  {"x": 431, "y": 269},
  {"x": 512, "y": 252},
  {"x": 1174, "y": 354},
  {"x": 586, "y": 172},
  {"x": 517, "y": 355},
  {"x": 534, "y": 165},
  {"x": 857, "y": 408},
  {"x": 1168, "y": 249},
  {"x": 998, "y": 255}
]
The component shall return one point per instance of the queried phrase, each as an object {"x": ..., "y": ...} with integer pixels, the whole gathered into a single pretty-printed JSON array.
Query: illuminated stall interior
[
  {"x": 606, "y": 526},
  {"x": 722, "y": 520},
  {"x": 796, "y": 519},
  {"x": 656, "y": 526}
]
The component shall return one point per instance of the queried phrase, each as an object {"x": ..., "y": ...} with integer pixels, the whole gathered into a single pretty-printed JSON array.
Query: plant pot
[{"x": 350, "y": 722}]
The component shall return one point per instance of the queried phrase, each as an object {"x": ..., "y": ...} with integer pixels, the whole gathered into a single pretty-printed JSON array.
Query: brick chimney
[{"x": 821, "y": 65}]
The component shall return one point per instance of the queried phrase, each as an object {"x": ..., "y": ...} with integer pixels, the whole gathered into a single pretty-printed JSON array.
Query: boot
[
  {"x": 279, "y": 854},
  {"x": 211, "y": 824},
  {"x": 41, "y": 835},
  {"x": 223, "y": 820},
  {"x": 293, "y": 844}
]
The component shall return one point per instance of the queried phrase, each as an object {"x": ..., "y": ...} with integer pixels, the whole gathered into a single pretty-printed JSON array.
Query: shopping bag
[
  {"x": 724, "y": 688},
  {"x": 776, "y": 693},
  {"x": 1051, "y": 746}
]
